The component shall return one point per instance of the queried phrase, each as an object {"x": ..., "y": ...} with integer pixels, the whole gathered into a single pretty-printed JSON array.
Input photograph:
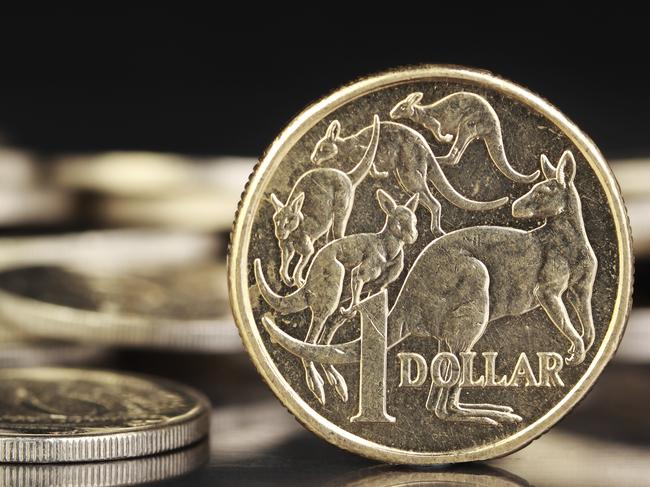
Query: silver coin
[
  {"x": 53, "y": 415},
  {"x": 134, "y": 471},
  {"x": 176, "y": 309}
]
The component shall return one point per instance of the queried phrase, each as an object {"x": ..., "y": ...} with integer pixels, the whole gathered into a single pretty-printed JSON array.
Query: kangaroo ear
[
  {"x": 277, "y": 204},
  {"x": 333, "y": 130},
  {"x": 412, "y": 203},
  {"x": 547, "y": 167},
  {"x": 566, "y": 169},
  {"x": 296, "y": 204},
  {"x": 386, "y": 201},
  {"x": 414, "y": 98}
]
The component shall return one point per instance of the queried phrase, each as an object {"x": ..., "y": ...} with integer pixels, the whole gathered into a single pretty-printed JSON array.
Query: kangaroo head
[
  {"x": 551, "y": 196},
  {"x": 401, "y": 220},
  {"x": 287, "y": 217},
  {"x": 326, "y": 148},
  {"x": 406, "y": 107}
]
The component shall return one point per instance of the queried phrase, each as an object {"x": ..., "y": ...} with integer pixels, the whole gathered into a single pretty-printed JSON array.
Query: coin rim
[
  {"x": 104, "y": 443},
  {"x": 241, "y": 234}
]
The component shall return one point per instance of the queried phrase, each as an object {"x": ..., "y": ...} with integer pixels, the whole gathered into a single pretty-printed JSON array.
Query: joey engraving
[
  {"x": 404, "y": 153},
  {"x": 320, "y": 202},
  {"x": 365, "y": 258},
  {"x": 457, "y": 285},
  {"x": 462, "y": 118}
]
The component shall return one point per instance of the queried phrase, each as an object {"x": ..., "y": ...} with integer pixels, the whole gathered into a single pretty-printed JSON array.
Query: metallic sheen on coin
[
  {"x": 52, "y": 415},
  {"x": 431, "y": 265}
]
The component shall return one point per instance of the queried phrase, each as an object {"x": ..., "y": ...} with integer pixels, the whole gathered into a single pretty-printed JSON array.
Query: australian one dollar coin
[{"x": 431, "y": 265}]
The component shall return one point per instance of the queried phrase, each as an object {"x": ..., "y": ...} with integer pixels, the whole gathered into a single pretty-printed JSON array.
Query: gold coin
[
  {"x": 52, "y": 415},
  {"x": 431, "y": 265}
]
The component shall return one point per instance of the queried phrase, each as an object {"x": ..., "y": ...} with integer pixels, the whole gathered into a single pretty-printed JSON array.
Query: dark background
[{"x": 226, "y": 82}]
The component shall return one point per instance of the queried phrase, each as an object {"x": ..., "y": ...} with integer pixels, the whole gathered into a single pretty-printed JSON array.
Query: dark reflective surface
[{"x": 255, "y": 442}]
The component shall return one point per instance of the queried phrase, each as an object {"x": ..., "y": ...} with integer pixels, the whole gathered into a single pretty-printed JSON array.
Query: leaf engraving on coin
[{"x": 448, "y": 280}]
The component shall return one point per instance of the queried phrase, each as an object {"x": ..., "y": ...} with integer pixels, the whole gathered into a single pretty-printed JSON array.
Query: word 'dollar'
[{"x": 446, "y": 370}]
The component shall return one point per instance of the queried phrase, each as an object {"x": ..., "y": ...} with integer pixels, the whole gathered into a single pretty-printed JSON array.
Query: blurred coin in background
[
  {"x": 52, "y": 415},
  {"x": 152, "y": 189},
  {"x": 179, "y": 309},
  {"x": 26, "y": 197},
  {"x": 111, "y": 250}
]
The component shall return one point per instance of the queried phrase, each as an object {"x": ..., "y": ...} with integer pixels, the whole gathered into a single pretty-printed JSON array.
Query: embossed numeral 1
[{"x": 372, "y": 366}]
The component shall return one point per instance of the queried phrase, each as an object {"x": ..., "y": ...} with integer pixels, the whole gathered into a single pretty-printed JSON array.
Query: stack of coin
[{"x": 54, "y": 415}]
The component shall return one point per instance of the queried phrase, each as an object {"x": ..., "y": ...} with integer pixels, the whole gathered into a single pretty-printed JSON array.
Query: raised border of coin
[
  {"x": 17, "y": 446},
  {"x": 239, "y": 268}
]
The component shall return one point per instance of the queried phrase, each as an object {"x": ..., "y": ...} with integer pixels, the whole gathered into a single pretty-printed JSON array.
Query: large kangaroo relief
[
  {"x": 461, "y": 118},
  {"x": 548, "y": 267}
]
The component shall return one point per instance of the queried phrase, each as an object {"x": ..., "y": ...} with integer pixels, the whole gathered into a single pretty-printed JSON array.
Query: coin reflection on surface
[
  {"x": 183, "y": 309},
  {"x": 475, "y": 476},
  {"x": 107, "y": 474}
]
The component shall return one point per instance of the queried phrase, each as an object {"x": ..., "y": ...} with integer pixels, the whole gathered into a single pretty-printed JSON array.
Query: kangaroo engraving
[
  {"x": 462, "y": 118},
  {"x": 320, "y": 201},
  {"x": 406, "y": 154},
  {"x": 366, "y": 257},
  {"x": 485, "y": 273}
]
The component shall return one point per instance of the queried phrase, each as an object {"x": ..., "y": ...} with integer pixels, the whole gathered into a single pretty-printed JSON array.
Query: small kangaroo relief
[
  {"x": 366, "y": 258},
  {"x": 320, "y": 201},
  {"x": 406, "y": 154},
  {"x": 462, "y": 118}
]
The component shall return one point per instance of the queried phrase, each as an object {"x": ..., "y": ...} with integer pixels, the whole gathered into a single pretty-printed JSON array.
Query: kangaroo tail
[
  {"x": 360, "y": 171},
  {"x": 442, "y": 184},
  {"x": 291, "y": 303},
  {"x": 498, "y": 155}
]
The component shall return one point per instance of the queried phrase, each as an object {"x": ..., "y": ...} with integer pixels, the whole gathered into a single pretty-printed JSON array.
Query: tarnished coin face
[
  {"x": 73, "y": 415},
  {"x": 431, "y": 265}
]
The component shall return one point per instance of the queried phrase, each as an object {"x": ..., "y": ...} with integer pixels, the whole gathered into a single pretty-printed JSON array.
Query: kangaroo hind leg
[
  {"x": 464, "y": 136},
  {"x": 329, "y": 280},
  {"x": 466, "y": 321},
  {"x": 494, "y": 143}
]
